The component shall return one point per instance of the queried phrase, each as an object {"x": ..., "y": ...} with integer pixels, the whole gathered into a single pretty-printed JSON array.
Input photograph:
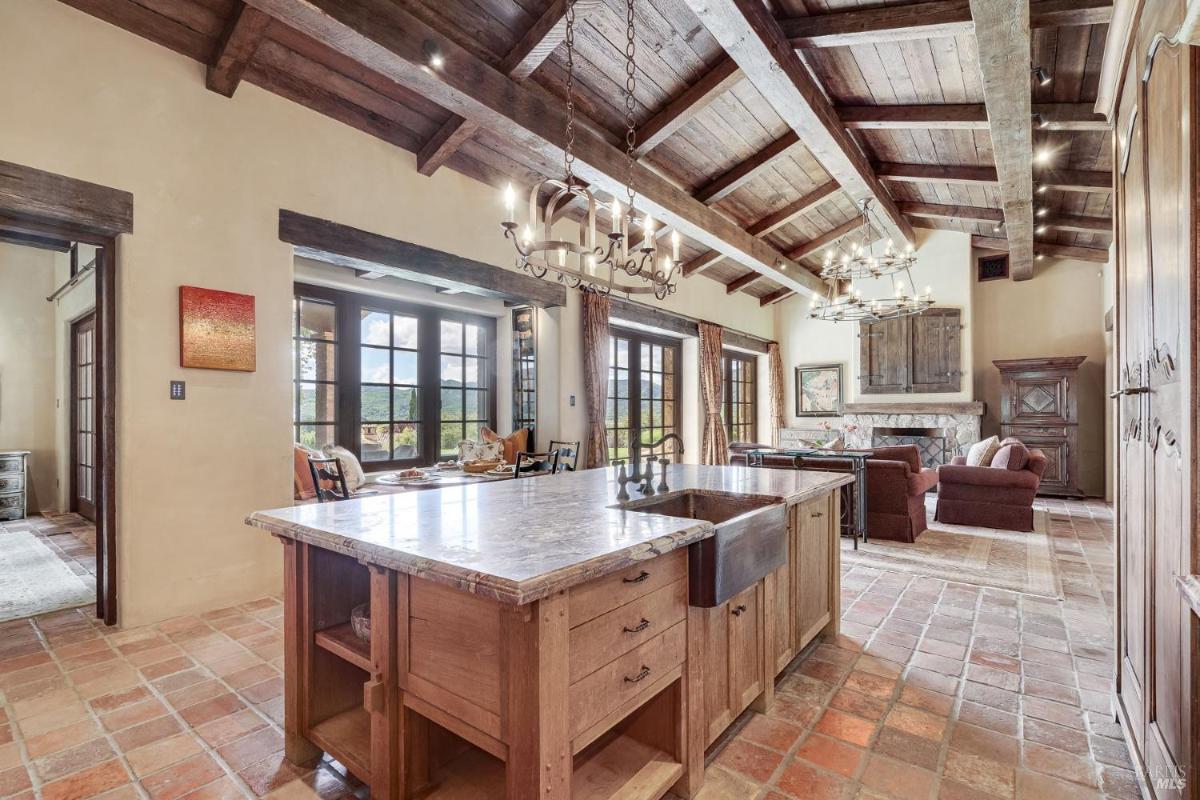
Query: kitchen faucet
[{"x": 646, "y": 482}]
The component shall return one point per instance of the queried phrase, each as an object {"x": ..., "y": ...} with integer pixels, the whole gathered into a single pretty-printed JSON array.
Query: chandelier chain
[
  {"x": 630, "y": 87},
  {"x": 569, "y": 151}
]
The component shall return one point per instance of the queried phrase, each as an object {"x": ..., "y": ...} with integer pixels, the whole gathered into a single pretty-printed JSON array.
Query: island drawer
[
  {"x": 602, "y": 595},
  {"x": 620, "y": 681},
  {"x": 611, "y": 635}
]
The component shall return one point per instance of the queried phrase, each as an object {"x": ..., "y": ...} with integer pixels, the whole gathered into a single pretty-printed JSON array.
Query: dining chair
[
  {"x": 568, "y": 455},
  {"x": 529, "y": 465},
  {"x": 329, "y": 479}
]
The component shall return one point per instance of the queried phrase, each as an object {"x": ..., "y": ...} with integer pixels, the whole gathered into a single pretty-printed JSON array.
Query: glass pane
[
  {"x": 375, "y": 406},
  {"x": 656, "y": 385},
  {"x": 451, "y": 371},
  {"x": 374, "y": 363},
  {"x": 404, "y": 332},
  {"x": 656, "y": 358},
  {"x": 452, "y": 336},
  {"x": 668, "y": 414},
  {"x": 668, "y": 390},
  {"x": 452, "y": 404},
  {"x": 376, "y": 327},
  {"x": 404, "y": 367},
  {"x": 451, "y": 435},
  {"x": 317, "y": 402},
  {"x": 622, "y": 413},
  {"x": 317, "y": 361},
  {"x": 406, "y": 441},
  {"x": 374, "y": 442},
  {"x": 668, "y": 359},
  {"x": 317, "y": 320},
  {"x": 475, "y": 341},
  {"x": 622, "y": 383},
  {"x": 315, "y": 436},
  {"x": 622, "y": 346},
  {"x": 473, "y": 371},
  {"x": 405, "y": 404},
  {"x": 476, "y": 406}
]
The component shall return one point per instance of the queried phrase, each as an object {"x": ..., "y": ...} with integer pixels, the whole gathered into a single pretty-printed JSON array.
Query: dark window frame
[
  {"x": 297, "y": 381},
  {"x": 747, "y": 430},
  {"x": 348, "y": 369},
  {"x": 525, "y": 375},
  {"x": 635, "y": 430}
]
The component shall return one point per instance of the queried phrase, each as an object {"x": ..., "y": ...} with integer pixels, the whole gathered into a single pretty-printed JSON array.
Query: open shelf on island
[
  {"x": 347, "y": 737},
  {"x": 341, "y": 641},
  {"x": 623, "y": 767}
]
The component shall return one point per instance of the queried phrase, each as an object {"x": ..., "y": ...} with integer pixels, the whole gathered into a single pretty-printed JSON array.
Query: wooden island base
[{"x": 610, "y": 689}]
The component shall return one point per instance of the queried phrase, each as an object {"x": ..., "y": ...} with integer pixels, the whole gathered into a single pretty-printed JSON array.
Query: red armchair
[
  {"x": 993, "y": 497},
  {"x": 896, "y": 486}
]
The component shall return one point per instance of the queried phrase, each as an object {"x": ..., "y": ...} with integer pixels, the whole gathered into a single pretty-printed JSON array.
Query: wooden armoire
[
  {"x": 1039, "y": 405},
  {"x": 1156, "y": 137}
]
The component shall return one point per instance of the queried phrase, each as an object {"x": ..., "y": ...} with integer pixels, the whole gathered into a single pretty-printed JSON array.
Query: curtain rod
[
  {"x": 620, "y": 301},
  {"x": 88, "y": 269}
]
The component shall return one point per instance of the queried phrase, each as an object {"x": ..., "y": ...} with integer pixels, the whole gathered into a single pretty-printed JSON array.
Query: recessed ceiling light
[
  {"x": 1043, "y": 156},
  {"x": 1041, "y": 76},
  {"x": 1041, "y": 229},
  {"x": 1041, "y": 189},
  {"x": 436, "y": 61},
  {"x": 1041, "y": 212},
  {"x": 1039, "y": 257}
]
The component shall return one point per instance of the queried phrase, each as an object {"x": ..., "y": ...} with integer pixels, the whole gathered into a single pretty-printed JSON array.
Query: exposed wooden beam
[
  {"x": 1074, "y": 180},
  {"x": 775, "y": 297},
  {"x": 966, "y": 116},
  {"x": 926, "y": 20},
  {"x": 33, "y": 195},
  {"x": 753, "y": 39},
  {"x": 935, "y": 173},
  {"x": 701, "y": 263},
  {"x": 344, "y": 246},
  {"x": 1070, "y": 222},
  {"x": 682, "y": 109},
  {"x": 395, "y": 43},
  {"x": 938, "y": 211},
  {"x": 369, "y": 275},
  {"x": 658, "y": 317},
  {"x": 1002, "y": 39},
  {"x": 813, "y": 245},
  {"x": 740, "y": 174},
  {"x": 244, "y": 32},
  {"x": 989, "y": 243},
  {"x": 737, "y": 284},
  {"x": 34, "y": 240},
  {"x": 1098, "y": 255},
  {"x": 522, "y": 61},
  {"x": 776, "y": 220}
]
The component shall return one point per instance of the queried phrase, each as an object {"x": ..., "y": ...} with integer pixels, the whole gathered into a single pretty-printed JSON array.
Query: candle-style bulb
[
  {"x": 510, "y": 203},
  {"x": 616, "y": 215},
  {"x": 675, "y": 245},
  {"x": 648, "y": 230},
  {"x": 526, "y": 235}
]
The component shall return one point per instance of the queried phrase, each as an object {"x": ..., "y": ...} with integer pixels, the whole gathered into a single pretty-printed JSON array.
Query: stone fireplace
[{"x": 956, "y": 426}]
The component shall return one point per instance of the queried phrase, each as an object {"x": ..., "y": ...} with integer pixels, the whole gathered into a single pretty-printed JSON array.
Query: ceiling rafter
[
  {"x": 683, "y": 108},
  {"x": 939, "y": 211},
  {"x": 396, "y": 44},
  {"x": 527, "y": 55},
  {"x": 741, "y": 282},
  {"x": 743, "y": 172},
  {"x": 1078, "y": 224},
  {"x": 966, "y": 116},
  {"x": 1097, "y": 255},
  {"x": 754, "y": 40},
  {"x": 805, "y": 249},
  {"x": 243, "y": 33},
  {"x": 775, "y": 297}
]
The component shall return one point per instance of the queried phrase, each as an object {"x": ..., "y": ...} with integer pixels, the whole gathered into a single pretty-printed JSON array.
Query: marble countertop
[{"x": 521, "y": 540}]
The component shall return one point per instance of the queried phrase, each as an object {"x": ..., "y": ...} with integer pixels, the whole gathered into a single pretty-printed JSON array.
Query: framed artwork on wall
[
  {"x": 818, "y": 390},
  {"x": 216, "y": 329}
]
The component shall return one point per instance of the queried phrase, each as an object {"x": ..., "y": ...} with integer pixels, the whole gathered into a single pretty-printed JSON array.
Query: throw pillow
[
  {"x": 355, "y": 477},
  {"x": 981, "y": 453},
  {"x": 469, "y": 450},
  {"x": 302, "y": 482},
  {"x": 515, "y": 442},
  {"x": 1011, "y": 457}
]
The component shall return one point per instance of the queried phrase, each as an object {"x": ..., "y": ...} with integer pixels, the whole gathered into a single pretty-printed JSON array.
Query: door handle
[{"x": 1129, "y": 390}]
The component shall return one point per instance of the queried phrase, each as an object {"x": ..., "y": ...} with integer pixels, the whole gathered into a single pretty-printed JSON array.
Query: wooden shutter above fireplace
[{"x": 912, "y": 354}]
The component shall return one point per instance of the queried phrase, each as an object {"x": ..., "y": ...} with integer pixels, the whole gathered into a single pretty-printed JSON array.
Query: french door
[
  {"x": 83, "y": 417},
  {"x": 643, "y": 392}
]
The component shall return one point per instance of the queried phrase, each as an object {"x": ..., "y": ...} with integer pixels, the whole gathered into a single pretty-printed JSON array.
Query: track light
[
  {"x": 1042, "y": 157},
  {"x": 1042, "y": 189},
  {"x": 1041, "y": 229},
  {"x": 1041, "y": 120},
  {"x": 1041, "y": 212},
  {"x": 1041, "y": 76}
]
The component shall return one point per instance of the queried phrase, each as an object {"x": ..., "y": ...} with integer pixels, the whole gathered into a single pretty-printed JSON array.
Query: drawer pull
[
  {"x": 641, "y": 676},
  {"x": 817, "y": 514},
  {"x": 641, "y": 626},
  {"x": 638, "y": 579},
  {"x": 737, "y": 612}
]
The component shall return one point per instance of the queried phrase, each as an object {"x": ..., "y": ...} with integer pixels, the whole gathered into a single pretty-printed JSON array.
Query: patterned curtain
[
  {"x": 595, "y": 377},
  {"x": 714, "y": 447},
  {"x": 775, "y": 362}
]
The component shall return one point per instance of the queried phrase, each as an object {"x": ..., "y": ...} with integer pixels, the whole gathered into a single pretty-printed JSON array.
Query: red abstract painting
[{"x": 216, "y": 329}]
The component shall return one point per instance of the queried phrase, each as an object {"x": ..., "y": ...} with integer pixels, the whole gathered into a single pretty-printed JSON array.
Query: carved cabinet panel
[{"x": 922, "y": 353}]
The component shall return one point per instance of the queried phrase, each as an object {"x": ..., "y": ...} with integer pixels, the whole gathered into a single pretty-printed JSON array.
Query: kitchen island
[{"x": 535, "y": 638}]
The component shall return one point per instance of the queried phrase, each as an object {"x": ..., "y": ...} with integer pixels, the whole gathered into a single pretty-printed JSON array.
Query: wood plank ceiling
[{"x": 759, "y": 169}]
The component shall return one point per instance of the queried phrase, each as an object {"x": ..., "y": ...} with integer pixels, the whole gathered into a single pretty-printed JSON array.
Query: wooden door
[
  {"x": 814, "y": 597},
  {"x": 745, "y": 648},
  {"x": 713, "y": 628},
  {"x": 883, "y": 356},
  {"x": 935, "y": 350},
  {"x": 84, "y": 468}
]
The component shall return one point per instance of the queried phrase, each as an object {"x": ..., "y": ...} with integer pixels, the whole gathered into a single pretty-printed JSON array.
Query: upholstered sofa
[
  {"x": 992, "y": 496},
  {"x": 896, "y": 486}
]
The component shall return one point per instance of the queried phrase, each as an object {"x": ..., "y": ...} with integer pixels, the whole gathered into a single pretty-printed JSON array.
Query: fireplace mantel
[{"x": 973, "y": 408}]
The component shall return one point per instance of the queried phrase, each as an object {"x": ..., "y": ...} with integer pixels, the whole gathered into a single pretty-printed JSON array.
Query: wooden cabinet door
[
  {"x": 883, "y": 356},
  {"x": 935, "y": 350},
  {"x": 745, "y": 648},
  {"x": 714, "y": 630},
  {"x": 815, "y": 602},
  {"x": 778, "y": 591}
]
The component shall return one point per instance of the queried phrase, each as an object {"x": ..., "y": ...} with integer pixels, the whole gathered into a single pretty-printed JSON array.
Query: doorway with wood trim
[{"x": 38, "y": 206}]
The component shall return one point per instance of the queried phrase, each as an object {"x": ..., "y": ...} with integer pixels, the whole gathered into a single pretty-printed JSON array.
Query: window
[
  {"x": 524, "y": 369},
  {"x": 739, "y": 398},
  {"x": 395, "y": 383},
  {"x": 314, "y": 372},
  {"x": 642, "y": 391}
]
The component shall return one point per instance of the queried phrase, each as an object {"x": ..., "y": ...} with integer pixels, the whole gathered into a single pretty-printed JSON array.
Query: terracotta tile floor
[{"x": 934, "y": 690}]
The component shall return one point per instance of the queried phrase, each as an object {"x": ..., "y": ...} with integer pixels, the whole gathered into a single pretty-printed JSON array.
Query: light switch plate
[
  {"x": 572, "y": 401},
  {"x": 178, "y": 390}
]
